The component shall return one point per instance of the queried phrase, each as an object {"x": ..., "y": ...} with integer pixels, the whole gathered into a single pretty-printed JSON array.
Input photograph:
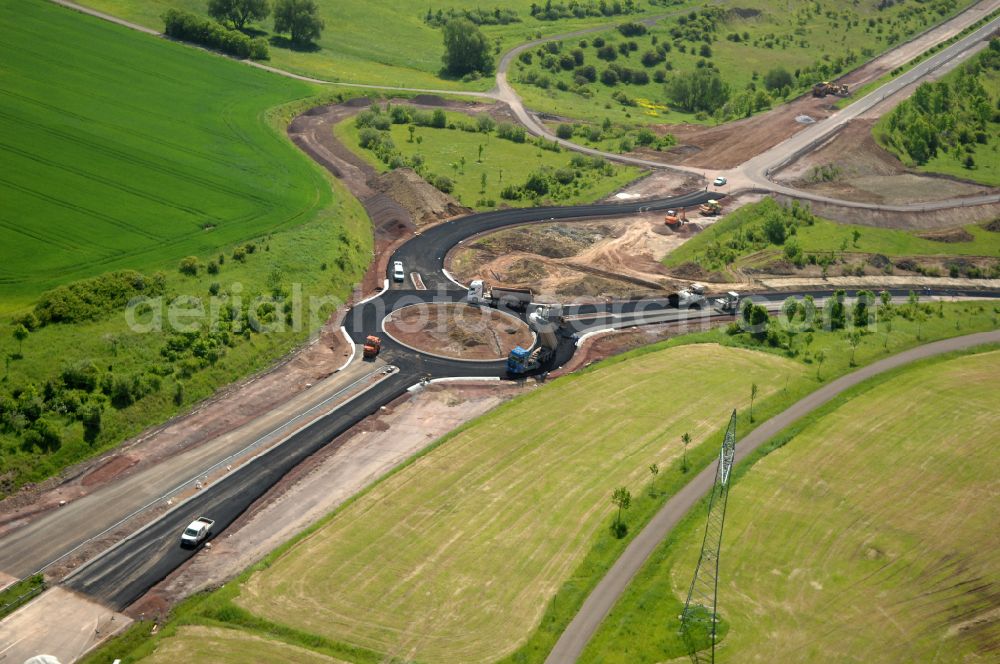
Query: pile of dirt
[
  {"x": 425, "y": 203},
  {"x": 525, "y": 271},
  {"x": 561, "y": 241},
  {"x": 949, "y": 235},
  {"x": 458, "y": 330},
  {"x": 880, "y": 261},
  {"x": 689, "y": 270},
  {"x": 993, "y": 226}
]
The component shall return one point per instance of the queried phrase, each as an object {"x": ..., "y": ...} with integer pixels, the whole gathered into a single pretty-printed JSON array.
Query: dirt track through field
[{"x": 611, "y": 587}]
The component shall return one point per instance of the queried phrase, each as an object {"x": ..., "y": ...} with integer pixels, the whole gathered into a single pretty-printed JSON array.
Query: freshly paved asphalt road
[
  {"x": 609, "y": 590},
  {"x": 426, "y": 252},
  {"x": 126, "y": 572}
]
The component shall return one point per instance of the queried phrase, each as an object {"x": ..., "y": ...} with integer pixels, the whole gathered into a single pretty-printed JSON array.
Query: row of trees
[
  {"x": 193, "y": 28},
  {"x": 299, "y": 19}
]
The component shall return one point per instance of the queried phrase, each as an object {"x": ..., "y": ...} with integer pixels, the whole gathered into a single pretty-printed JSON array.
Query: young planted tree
[
  {"x": 20, "y": 334},
  {"x": 686, "y": 440},
  {"x": 920, "y": 317},
  {"x": 820, "y": 358},
  {"x": 854, "y": 340},
  {"x": 299, "y": 18},
  {"x": 654, "y": 470},
  {"x": 622, "y": 499},
  {"x": 753, "y": 395},
  {"x": 238, "y": 12}
]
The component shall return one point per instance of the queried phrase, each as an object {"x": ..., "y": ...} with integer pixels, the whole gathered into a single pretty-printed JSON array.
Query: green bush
[
  {"x": 190, "y": 27},
  {"x": 92, "y": 299},
  {"x": 564, "y": 131}
]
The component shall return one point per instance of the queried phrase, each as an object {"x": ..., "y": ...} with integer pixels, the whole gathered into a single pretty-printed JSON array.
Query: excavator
[
  {"x": 674, "y": 220},
  {"x": 826, "y": 88}
]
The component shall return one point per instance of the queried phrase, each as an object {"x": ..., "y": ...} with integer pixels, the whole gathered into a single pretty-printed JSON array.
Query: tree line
[{"x": 299, "y": 19}]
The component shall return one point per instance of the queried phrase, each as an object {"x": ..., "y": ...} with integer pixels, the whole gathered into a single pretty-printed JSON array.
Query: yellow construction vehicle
[
  {"x": 826, "y": 88},
  {"x": 710, "y": 208}
]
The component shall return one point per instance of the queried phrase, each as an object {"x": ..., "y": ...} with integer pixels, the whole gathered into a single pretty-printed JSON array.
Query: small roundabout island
[{"x": 458, "y": 331}]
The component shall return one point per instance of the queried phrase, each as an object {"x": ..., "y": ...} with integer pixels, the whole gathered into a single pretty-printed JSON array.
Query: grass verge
[
  {"x": 815, "y": 543},
  {"x": 17, "y": 594},
  {"x": 564, "y": 601}
]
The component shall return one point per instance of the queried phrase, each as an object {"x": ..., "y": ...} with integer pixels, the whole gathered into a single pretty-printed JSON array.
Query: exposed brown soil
[
  {"x": 949, "y": 235},
  {"x": 729, "y": 145},
  {"x": 580, "y": 259},
  {"x": 915, "y": 220},
  {"x": 602, "y": 346},
  {"x": 238, "y": 404},
  {"x": 458, "y": 330},
  {"x": 771, "y": 263},
  {"x": 659, "y": 184},
  {"x": 426, "y": 204},
  {"x": 859, "y": 169}
]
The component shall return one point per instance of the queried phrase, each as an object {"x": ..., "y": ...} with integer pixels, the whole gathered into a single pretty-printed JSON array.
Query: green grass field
[
  {"x": 406, "y": 53},
  {"x": 123, "y": 150},
  {"x": 503, "y": 163},
  {"x": 866, "y": 537},
  {"x": 133, "y": 152},
  {"x": 195, "y": 643},
  {"x": 455, "y": 557},
  {"x": 446, "y": 516},
  {"x": 721, "y": 245},
  {"x": 794, "y": 35}
]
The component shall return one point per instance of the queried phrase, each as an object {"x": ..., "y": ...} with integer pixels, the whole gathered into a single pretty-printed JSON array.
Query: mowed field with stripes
[{"x": 120, "y": 150}]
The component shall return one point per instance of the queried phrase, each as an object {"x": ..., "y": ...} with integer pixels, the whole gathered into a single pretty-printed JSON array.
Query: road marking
[
  {"x": 190, "y": 481},
  {"x": 12, "y": 645}
]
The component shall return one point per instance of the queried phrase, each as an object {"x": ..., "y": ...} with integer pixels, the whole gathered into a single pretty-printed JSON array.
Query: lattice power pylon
[{"x": 700, "y": 618}]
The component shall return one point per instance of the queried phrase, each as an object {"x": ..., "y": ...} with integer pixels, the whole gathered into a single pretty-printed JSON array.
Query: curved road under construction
[{"x": 125, "y": 572}]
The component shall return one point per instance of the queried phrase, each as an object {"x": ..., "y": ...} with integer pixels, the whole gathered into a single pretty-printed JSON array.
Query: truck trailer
[
  {"x": 517, "y": 299},
  {"x": 544, "y": 321},
  {"x": 692, "y": 297}
]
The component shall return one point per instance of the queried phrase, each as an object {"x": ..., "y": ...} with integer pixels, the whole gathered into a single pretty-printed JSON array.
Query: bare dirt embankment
[
  {"x": 580, "y": 259},
  {"x": 458, "y": 331},
  {"x": 729, "y": 145},
  {"x": 853, "y": 166}
]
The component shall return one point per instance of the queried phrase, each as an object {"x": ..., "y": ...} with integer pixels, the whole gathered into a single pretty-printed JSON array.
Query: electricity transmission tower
[{"x": 700, "y": 618}]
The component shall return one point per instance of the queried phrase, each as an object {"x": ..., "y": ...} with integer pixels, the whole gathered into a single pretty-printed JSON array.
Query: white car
[
  {"x": 398, "y": 274},
  {"x": 719, "y": 181}
]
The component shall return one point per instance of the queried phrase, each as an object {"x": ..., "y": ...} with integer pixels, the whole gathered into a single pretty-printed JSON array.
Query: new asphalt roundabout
[{"x": 125, "y": 572}]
